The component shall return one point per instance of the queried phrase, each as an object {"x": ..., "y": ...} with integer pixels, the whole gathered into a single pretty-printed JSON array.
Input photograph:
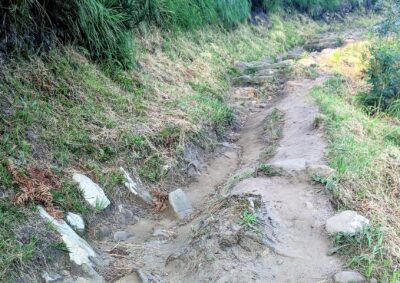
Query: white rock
[
  {"x": 80, "y": 252},
  {"x": 348, "y": 277},
  {"x": 348, "y": 221},
  {"x": 92, "y": 192},
  {"x": 180, "y": 203},
  {"x": 76, "y": 221},
  {"x": 136, "y": 187}
]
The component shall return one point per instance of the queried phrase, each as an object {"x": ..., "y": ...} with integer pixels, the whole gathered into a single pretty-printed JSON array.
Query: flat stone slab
[
  {"x": 136, "y": 187},
  {"x": 348, "y": 277},
  {"x": 80, "y": 252},
  {"x": 349, "y": 222},
  {"x": 180, "y": 203},
  {"x": 92, "y": 192},
  {"x": 298, "y": 164},
  {"x": 76, "y": 221}
]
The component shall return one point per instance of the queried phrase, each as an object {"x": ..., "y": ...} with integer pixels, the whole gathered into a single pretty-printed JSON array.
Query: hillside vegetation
[
  {"x": 94, "y": 85},
  {"x": 105, "y": 28}
]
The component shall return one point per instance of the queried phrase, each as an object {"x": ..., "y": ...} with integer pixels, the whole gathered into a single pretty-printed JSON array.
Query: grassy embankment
[{"x": 365, "y": 151}]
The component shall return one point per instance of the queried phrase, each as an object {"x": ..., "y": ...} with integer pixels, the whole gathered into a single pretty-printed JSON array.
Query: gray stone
[
  {"x": 136, "y": 187},
  {"x": 321, "y": 171},
  {"x": 253, "y": 80},
  {"x": 180, "y": 203},
  {"x": 373, "y": 280},
  {"x": 76, "y": 221},
  {"x": 80, "y": 252},
  {"x": 103, "y": 232},
  {"x": 122, "y": 236},
  {"x": 51, "y": 277},
  {"x": 92, "y": 192},
  {"x": 163, "y": 234},
  {"x": 349, "y": 222},
  {"x": 348, "y": 277},
  {"x": 298, "y": 164},
  {"x": 125, "y": 216}
]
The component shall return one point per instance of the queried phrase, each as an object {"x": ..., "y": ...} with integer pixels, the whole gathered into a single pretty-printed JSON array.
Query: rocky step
[
  {"x": 265, "y": 64},
  {"x": 249, "y": 80},
  {"x": 323, "y": 43}
]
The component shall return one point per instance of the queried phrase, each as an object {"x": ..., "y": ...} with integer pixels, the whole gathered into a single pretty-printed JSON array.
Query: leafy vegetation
[{"x": 105, "y": 27}]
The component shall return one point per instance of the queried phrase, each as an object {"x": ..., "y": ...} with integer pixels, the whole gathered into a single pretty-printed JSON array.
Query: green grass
[
  {"x": 248, "y": 220},
  {"x": 366, "y": 162}
]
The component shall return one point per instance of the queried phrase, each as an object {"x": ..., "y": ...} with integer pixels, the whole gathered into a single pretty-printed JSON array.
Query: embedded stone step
[
  {"x": 321, "y": 44},
  {"x": 136, "y": 187},
  {"x": 252, "y": 80},
  {"x": 93, "y": 194}
]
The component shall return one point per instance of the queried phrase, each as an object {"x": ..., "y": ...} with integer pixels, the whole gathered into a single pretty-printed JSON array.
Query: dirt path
[{"x": 212, "y": 246}]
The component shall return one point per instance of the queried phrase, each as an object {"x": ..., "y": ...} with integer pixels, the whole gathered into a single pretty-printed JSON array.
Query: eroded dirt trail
[
  {"x": 289, "y": 242},
  {"x": 295, "y": 207}
]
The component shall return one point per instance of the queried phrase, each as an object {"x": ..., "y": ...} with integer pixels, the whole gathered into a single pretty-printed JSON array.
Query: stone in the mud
[
  {"x": 253, "y": 80},
  {"x": 92, "y": 192},
  {"x": 51, "y": 277},
  {"x": 125, "y": 216},
  {"x": 76, "y": 221},
  {"x": 180, "y": 203},
  {"x": 163, "y": 233},
  {"x": 122, "y": 235},
  {"x": 298, "y": 164},
  {"x": 349, "y": 222},
  {"x": 103, "y": 232},
  {"x": 321, "y": 171},
  {"x": 324, "y": 43},
  {"x": 136, "y": 187},
  {"x": 348, "y": 277},
  {"x": 80, "y": 252}
]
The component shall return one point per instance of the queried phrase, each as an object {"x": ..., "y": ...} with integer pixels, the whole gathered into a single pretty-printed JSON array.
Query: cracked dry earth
[{"x": 289, "y": 243}]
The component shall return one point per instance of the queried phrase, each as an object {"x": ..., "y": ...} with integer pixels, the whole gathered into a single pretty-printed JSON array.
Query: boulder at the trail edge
[
  {"x": 180, "y": 203},
  {"x": 348, "y": 277},
  {"x": 349, "y": 222}
]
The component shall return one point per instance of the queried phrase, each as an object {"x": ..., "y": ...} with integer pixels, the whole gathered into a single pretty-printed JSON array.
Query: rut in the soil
[{"x": 288, "y": 242}]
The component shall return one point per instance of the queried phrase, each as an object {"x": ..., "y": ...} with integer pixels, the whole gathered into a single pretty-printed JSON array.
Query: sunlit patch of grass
[{"x": 349, "y": 60}]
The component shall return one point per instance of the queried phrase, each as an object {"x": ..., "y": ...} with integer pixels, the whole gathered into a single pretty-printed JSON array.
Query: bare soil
[{"x": 287, "y": 243}]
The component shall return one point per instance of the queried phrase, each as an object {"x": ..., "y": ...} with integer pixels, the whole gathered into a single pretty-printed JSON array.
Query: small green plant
[
  {"x": 60, "y": 245},
  {"x": 267, "y": 170},
  {"x": 100, "y": 204},
  {"x": 248, "y": 219}
]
